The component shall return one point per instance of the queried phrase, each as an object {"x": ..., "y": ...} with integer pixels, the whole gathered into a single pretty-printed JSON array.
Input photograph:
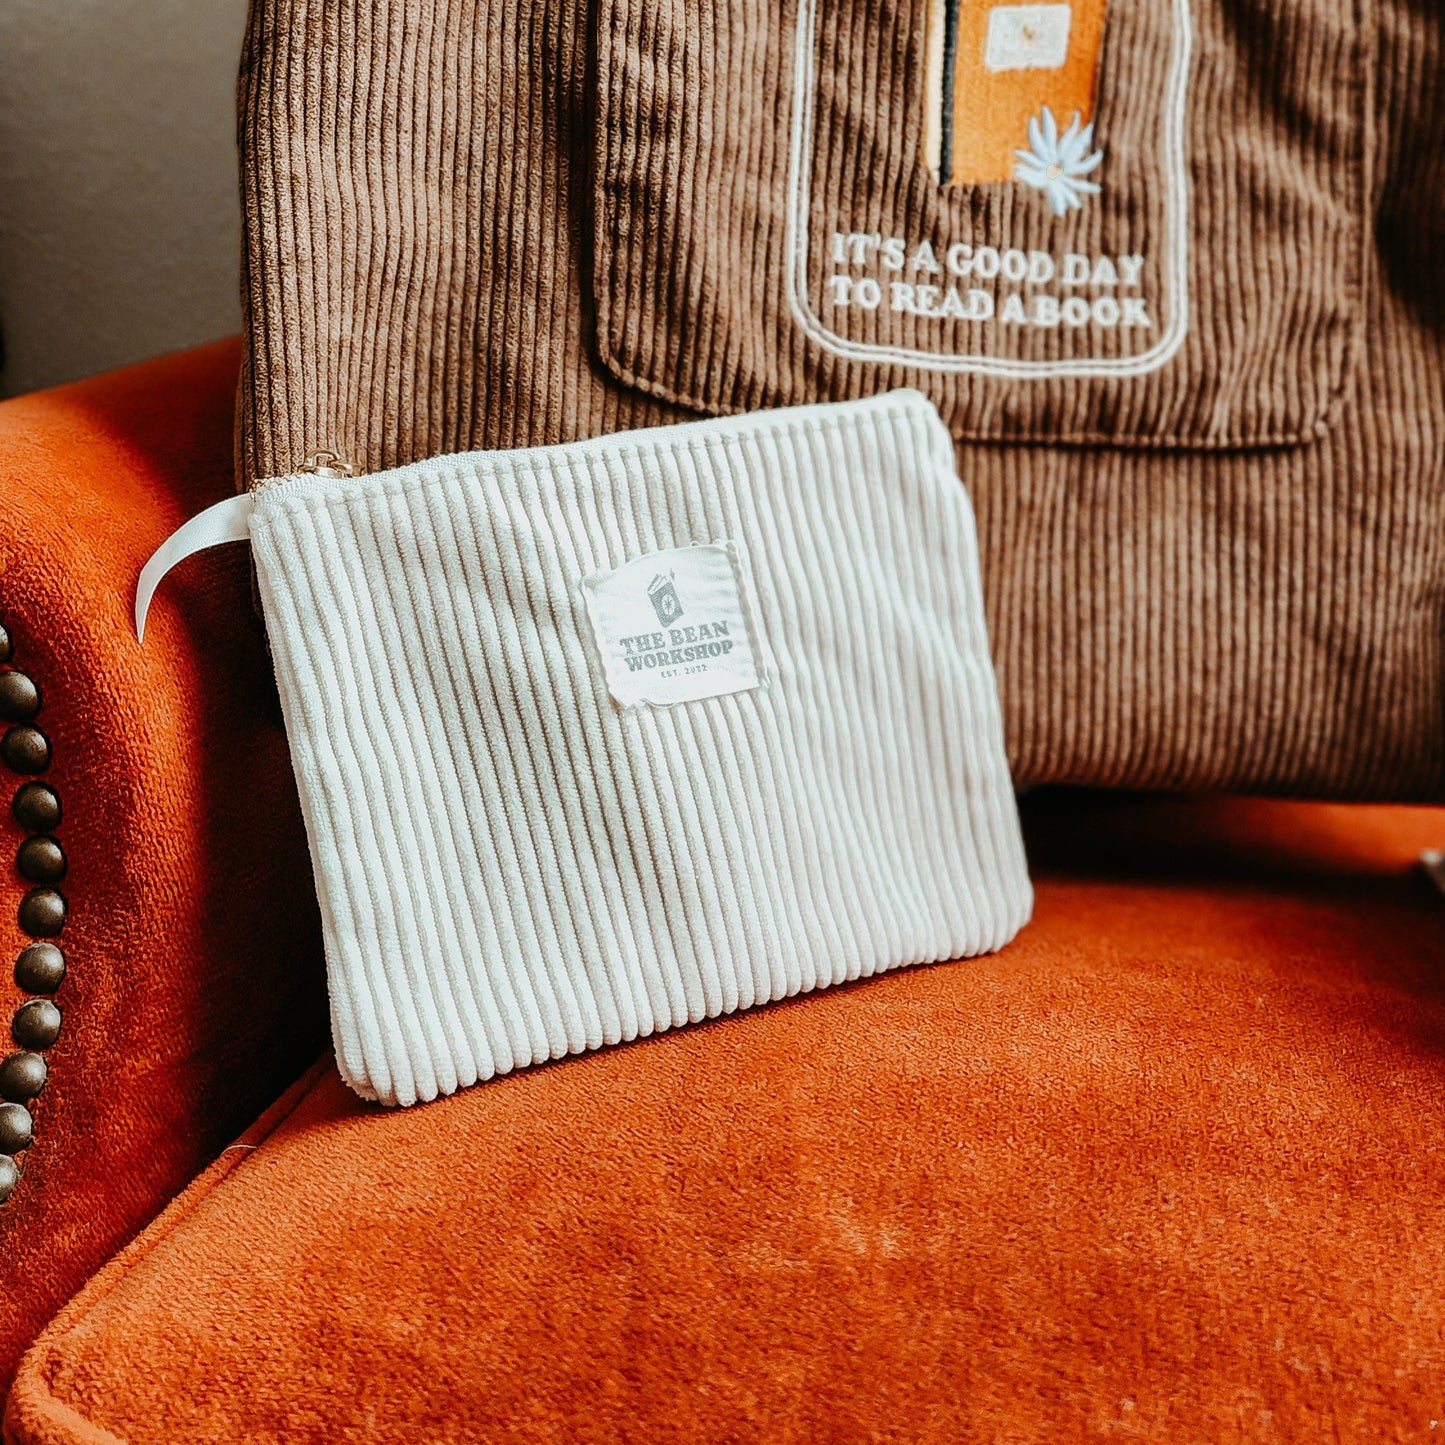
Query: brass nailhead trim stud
[
  {"x": 36, "y": 807},
  {"x": 25, "y": 749},
  {"x": 22, "y": 1077},
  {"x": 42, "y": 912},
  {"x": 19, "y": 697},
  {"x": 36, "y": 1024},
  {"x": 14, "y": 1128},
  {"x": 40, "y": 860},
  {"x": 40, "y": 968}
]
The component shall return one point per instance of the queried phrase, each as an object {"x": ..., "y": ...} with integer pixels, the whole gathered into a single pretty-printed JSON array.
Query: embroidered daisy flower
[{"x": 1057, "y": 164}]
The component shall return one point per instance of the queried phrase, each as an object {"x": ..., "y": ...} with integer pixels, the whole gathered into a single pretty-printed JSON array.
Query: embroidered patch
[
  {"x": 673, "y": 627},
  {"x": 1082, "y": 271},
  {"x": 1002, "y": 77}
]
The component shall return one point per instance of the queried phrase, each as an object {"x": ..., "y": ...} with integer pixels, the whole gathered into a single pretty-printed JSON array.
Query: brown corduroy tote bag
[{"x": 1168, "y": 268}]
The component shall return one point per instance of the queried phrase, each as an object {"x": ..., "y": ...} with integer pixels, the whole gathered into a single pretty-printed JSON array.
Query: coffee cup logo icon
[{"x": 665, "y": 601}]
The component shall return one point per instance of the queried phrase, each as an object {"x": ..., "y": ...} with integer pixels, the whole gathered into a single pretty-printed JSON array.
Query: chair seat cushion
[{"x": 1167, "y": 1167}]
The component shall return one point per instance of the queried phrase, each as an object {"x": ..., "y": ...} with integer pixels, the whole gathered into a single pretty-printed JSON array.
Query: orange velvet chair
[
  {"x": 177, "y": 887},
  {"x": 1166, "y": 1168}
]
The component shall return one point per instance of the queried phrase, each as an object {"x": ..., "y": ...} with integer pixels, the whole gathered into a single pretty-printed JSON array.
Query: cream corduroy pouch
[{"x": 600, "y": 739}]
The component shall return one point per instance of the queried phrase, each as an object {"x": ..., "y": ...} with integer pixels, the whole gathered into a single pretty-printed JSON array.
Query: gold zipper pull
[{"x": 327, "y": 464}]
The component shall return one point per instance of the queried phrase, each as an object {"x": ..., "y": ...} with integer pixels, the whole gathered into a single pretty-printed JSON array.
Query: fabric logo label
[{"x": 673, "y": 627}]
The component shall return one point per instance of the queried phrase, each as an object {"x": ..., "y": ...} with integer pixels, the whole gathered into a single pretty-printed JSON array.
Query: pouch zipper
[{"x": 325, "y": 464}]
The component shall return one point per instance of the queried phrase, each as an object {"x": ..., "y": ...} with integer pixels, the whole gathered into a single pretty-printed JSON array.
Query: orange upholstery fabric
[
  {"x": 1167, "y": 1168},
  {"x": 195, "y": 990}
]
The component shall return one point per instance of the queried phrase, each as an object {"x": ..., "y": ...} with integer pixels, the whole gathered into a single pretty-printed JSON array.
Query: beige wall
[{"x": 119, "y": 224}]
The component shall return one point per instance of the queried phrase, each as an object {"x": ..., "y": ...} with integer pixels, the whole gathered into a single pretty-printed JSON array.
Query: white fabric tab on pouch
[
  {"x": 601, "y": 739},
  {"x": 227, "y": 521}
]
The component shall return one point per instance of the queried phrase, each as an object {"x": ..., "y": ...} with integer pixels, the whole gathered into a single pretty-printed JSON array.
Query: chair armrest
[{"x": 193, "y": 988}]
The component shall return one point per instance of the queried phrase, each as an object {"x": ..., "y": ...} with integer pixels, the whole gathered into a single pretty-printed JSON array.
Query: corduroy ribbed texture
[
  {"x": 512, "y": 867},
  {"x": 1254, "y": 234},
  {"x": 432, "y": 200}
]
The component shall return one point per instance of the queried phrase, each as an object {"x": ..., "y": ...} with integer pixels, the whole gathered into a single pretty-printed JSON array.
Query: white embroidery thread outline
[
  {"x": 1059, "y": 163},
  {"x": 800, "y": 202}
]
